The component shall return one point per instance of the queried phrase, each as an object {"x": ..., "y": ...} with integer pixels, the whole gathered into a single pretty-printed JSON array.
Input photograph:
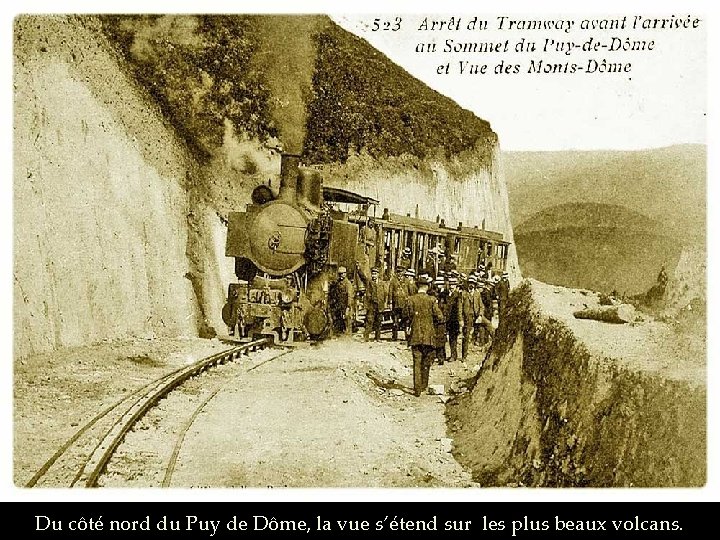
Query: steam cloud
[{"x": 286, "y": 54}]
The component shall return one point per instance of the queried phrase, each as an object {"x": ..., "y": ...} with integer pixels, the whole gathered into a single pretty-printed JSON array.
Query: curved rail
[
  {"x": 170, "y": 468},
  {"x": 109, "y": 429}
]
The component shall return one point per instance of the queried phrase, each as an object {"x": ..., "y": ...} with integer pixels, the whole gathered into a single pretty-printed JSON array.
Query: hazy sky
[{"x": 661, "y": 101}]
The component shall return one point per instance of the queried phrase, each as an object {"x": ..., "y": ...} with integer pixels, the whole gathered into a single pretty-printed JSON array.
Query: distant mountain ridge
[
  {"x": 586, "y": 215},
  {"x": 665, "y": 184},
  {"x": 605, "y": 220}
]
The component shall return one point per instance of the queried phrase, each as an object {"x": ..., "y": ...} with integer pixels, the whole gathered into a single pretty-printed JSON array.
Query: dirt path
[
  {"x": 648, "y": 346},
  {"x": 313, "y": 418}
]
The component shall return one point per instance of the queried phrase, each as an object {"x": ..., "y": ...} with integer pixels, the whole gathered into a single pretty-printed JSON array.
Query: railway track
[{"x": 81, "y": 460}]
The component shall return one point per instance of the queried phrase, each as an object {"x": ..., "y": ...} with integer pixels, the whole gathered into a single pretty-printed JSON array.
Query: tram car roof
[
  {"x": 423, "y": 225},
  {"x": 339, "y": 195}
]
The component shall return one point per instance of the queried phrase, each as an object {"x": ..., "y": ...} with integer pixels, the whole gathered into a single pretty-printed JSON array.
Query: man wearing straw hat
[
  {"x": 454, "y": 315},
  {"x": 410, "y": 281}
]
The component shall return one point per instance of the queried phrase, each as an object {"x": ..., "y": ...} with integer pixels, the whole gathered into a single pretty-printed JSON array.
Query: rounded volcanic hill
[
  {"x": 601, "y": 247},
  {"x": 594, "y": 215}
]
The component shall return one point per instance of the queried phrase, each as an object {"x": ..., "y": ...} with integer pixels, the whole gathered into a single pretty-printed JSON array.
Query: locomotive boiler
[{"x": 287, "y": 248}]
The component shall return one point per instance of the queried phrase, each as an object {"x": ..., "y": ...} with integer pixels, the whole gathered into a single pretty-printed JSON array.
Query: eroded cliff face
[
  {"x": 549, "y": 409},
  {"x": 100, "y": 202}
]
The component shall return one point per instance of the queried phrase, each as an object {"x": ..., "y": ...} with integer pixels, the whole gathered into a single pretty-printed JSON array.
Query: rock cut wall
[
  {"x": 127, "y": 161},
  {"x": 100, "y": 205}
]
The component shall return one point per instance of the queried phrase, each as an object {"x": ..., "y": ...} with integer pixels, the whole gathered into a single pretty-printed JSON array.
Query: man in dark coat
[
  {"x": 478, "y": 310},
  {"x": 398, "y": 297},
  {"x": 342, "y": 296},
  {"x": 439, "y": 292},
  {"x": 483, "y": 314},
  {"x": 376, "y": 295},
  {"x": 488, "y": 298},
  {"x": 467, "y": 315},
  {"x": 230, "y": 312},
  {"x": 410, "y": 289},
  {"x": 454, "y": 320},
  {"x": 423, "y": 315},
  {"x": 502, "y": 293}
]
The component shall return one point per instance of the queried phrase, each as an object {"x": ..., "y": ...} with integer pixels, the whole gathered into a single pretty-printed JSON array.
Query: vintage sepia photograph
[{"x": 427, "y": 250}]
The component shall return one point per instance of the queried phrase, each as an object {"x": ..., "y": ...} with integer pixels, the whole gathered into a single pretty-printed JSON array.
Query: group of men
[{"x": 431, "y": 312}]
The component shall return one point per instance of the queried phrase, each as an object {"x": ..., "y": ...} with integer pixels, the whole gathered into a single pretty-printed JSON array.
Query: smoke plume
[{"x": 286, "y": 55}]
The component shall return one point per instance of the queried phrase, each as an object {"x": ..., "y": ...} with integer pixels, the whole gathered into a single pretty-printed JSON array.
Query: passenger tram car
[{"x": 288, "y": 246}]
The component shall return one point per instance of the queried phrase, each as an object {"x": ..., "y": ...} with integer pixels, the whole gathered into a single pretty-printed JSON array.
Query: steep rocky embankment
[
  {"x": 100, "y": 198},
  {"x": 565, "y": 402},
  {"x": 136, "y": 136}
]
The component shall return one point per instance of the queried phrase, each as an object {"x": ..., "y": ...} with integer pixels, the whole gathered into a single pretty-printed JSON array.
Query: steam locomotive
[{"x": 288, "y": 246}]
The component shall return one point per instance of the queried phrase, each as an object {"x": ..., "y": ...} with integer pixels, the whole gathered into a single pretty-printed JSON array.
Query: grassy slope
[
  {"x": 363, "y": 101},
  {"x": 204, "y": 71},
  {"x": 545, "y": 412},
  {"x": 597, "y": 259}
]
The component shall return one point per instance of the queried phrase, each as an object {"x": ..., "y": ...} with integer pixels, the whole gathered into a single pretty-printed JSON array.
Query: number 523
[{"x": 393, "y": 24}]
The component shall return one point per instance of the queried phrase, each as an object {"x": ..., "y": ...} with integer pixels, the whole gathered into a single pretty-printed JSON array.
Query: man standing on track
[
  {"x": 376, "y": 294},
  {"x": 398, "y": 297},
  {"x": 341, "y": 300},
  {"x": 423, "y": 314}
]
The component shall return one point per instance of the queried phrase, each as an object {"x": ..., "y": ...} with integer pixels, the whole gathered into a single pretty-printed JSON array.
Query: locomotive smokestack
[
  {"x": 289, "y": 170},
  {"x": 309, "y": 188}
]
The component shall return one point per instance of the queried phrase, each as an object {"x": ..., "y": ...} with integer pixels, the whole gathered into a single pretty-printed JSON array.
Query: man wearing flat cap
[
  {"x": 423, "y": 315},
  {"x": 342, "y": 296}
]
